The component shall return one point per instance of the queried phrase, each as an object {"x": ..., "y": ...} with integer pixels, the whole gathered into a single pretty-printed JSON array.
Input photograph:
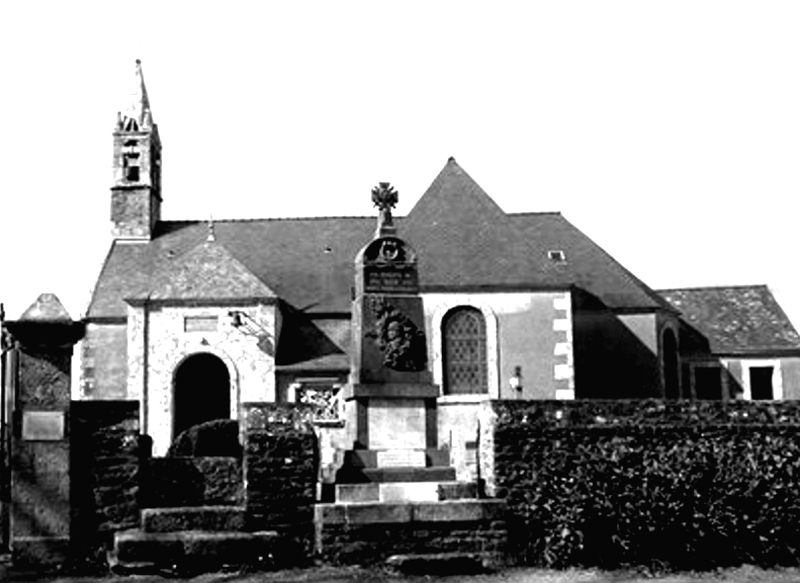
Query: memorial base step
[
  {"x": 352, "y": 475},
  {"x": 374, "y": 458}
]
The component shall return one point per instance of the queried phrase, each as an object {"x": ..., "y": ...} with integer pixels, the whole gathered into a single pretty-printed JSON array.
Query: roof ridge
[
  {"x": 535, "y": 213},
  {"x": 710, "y": 287},
  {"x": 266, "y": 219}
]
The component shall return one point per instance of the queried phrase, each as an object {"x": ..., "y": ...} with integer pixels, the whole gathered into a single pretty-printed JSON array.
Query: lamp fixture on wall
[
  {"x": 515, "y": 382},
  {"x": 247, "y": 325}
]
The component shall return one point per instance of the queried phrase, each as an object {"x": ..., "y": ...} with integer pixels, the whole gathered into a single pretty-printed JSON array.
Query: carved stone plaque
[
  {"x": 407, "y": 458},
  {"x": 390, "y": 279},
  {"x": 42, "y": 425}
]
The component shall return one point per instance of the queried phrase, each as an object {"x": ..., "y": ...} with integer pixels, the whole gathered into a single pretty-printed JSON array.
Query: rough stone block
[
  {"x": 206, "y": 518},
  {"x": 38, "y": 552}
]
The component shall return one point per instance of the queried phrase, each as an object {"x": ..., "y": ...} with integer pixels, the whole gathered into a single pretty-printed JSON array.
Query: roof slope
[
  {"x": 463, "y": 240},
  {"x": 736, "y": 320},
  {"x": 587, "y": 265},
  {"x": 206, "y": 272}
]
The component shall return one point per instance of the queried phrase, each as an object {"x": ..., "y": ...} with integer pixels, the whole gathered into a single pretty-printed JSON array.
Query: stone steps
[
  {"x": 405, "y": 491},
  {"x": 351, "y": 475},
  {"x": 189, "y": 551}
]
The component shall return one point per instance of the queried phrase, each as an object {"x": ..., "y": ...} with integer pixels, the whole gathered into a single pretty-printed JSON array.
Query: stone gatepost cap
[{"x": 46, "y": 308}]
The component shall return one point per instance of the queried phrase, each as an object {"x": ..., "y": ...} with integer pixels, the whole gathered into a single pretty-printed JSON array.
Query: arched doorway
[
  {"x": 202, "y": 392},
  {"x": 670, "y": 351}
]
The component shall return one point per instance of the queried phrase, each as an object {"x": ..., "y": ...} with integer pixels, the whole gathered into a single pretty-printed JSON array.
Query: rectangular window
[
  {"x": 200, "y": 324},
  {"x": 761, "y": 383}
]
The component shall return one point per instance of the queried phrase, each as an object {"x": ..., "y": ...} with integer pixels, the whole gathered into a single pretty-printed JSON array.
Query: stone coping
[
  {"x": 391, "y": 391},
  {"x": 401, "y": 512}
]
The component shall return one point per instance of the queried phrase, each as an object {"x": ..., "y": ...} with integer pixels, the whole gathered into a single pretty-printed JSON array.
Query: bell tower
[{"x": 136, "y": 189}]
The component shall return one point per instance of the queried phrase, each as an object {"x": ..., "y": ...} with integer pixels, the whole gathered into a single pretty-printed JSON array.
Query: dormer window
[
  {"x": 131, "y": 125},
  {"x": 557, "y": 256}
]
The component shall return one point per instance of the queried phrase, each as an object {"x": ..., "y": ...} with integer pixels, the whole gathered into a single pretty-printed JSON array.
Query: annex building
[{"x": 192, "y": 319}]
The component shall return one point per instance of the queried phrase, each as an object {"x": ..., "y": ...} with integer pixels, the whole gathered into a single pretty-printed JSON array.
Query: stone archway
[{"x": 201, "y": 392}]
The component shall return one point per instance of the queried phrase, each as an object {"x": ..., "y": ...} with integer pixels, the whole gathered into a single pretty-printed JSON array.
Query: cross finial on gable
[
  {"x": 384, "y": 196},
  {"x": 212, "y": 236}
]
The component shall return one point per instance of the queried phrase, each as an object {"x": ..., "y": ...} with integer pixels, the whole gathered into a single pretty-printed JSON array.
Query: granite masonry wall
[
  {"x": 107, "y": 456},
  {"x": 281, "y": 470},
  {"x": 371, "y": 533}
]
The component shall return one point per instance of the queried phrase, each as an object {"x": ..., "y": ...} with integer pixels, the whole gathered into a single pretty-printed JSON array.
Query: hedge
[{"x": 665, "y": 485}]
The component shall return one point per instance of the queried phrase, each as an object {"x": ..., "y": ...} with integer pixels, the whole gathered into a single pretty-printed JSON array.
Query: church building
[{"x": 194, "y": 318}]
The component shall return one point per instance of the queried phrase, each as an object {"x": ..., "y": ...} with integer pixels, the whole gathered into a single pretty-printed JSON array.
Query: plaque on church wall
[
  {"x": 42, "y": 425},
  {"x": 200, "y": 324}
]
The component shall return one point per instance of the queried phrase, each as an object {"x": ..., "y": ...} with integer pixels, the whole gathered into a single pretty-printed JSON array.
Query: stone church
[{"x": 192, "y": 319}]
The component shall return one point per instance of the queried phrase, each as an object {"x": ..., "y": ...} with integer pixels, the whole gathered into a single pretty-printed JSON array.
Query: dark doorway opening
[
  {"x": 201, "y": 392},
  {"x": 670, "y": 348},
  {"x": 708, "y": 383},
  {"x": 761, "y": 383}
]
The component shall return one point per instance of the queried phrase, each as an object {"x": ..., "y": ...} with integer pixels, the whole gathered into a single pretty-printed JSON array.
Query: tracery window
[{"x": 464, "y": 352}]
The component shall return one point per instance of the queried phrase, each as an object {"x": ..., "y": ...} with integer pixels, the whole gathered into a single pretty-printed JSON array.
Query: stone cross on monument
[{"x": 384, "y": 196}]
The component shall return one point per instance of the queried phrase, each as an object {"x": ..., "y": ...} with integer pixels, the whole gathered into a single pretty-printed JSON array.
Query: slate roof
[
  {"x": 462, "y": 238},
  {"x": 736, "y": 320},
  {"x": 205, "y": 272}
]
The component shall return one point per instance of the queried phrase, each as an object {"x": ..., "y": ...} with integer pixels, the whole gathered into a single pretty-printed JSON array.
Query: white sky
[{"x": 669, "y": 132}]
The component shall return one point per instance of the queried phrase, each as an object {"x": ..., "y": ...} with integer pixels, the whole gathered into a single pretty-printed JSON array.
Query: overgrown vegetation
[{"x": 667, "y": 486}]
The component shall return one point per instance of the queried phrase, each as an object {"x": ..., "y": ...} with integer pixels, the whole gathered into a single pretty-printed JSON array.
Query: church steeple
[{"x": 136, "y": 190}]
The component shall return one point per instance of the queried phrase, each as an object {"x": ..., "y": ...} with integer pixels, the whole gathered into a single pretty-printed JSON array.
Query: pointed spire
[{"x": 137, "y": 115}]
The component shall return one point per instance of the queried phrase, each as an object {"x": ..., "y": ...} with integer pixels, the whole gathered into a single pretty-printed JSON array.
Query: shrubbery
[{"x": 660, "y": 485}]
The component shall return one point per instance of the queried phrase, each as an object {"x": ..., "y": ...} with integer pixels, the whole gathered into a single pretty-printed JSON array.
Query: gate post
[{"x": 40, "y": 454}]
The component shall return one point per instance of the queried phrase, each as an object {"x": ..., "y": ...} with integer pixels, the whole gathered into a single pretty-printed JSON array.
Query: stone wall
[
  {"x": 193, "y": 481},
  {"x": 281, "y": 471},
  {"x": 107, "y": 456},
  {"x": 370, "y": 533}
]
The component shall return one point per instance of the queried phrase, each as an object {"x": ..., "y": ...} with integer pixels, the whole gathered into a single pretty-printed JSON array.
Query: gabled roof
[
  {"x": 462, "y": 238},
  {"x": 586, "y": 264},
  {"x": 205, "y": 272},
  {"x": 736, "y": 320}
]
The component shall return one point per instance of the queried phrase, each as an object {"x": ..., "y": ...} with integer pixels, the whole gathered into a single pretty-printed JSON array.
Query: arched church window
[{"x": 464, "y": 351}]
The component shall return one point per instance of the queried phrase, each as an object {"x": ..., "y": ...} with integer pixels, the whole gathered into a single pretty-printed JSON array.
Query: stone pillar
[
  {"x": 281, "y": 471},
  {"x": 40, "y": 453}
]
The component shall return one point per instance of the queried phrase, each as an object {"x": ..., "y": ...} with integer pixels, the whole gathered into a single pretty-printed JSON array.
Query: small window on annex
[
  {"x": 464, "y": 352},
  {"x": 761, "y": 383}
]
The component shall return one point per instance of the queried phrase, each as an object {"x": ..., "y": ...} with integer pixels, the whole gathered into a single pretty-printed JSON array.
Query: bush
[
  {"x": 218, "y": 438},
  {"x": 666, "y": 486}
]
